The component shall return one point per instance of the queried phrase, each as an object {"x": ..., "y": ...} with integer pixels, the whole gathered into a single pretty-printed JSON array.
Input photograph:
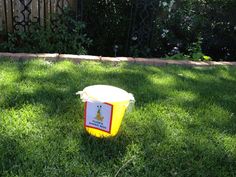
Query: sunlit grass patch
[{"x": 183, "y": 123}]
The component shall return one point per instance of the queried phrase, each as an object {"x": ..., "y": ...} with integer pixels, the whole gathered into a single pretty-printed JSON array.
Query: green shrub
[
  {"x": 177, "y": 27},
  {"x": 64, "y": 35},
  {"x": 108, "y": 24},
  {"x": 180, "y": 24}
]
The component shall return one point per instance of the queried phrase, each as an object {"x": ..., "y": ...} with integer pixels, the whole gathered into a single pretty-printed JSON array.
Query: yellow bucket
[{"x": 104, "y": 109}]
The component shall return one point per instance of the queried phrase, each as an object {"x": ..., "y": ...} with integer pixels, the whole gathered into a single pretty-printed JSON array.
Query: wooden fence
[{"x": 20, "y": 14}]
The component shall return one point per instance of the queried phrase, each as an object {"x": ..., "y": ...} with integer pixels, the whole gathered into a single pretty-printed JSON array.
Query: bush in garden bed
[{"x": 63, "y": 35}]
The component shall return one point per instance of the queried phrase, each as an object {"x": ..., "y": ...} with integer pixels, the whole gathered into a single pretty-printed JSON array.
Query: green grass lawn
[{"x": 183, "y": 124}]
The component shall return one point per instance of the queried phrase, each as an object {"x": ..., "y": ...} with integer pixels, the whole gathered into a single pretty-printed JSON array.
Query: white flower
[
  {"x": 134, "y": 38},
  {"x": 163, "y": 35},
  {"x": 176, "y": 48},
  {"x": 165, "y": 31},
  {"x": 164, "y": 4}
]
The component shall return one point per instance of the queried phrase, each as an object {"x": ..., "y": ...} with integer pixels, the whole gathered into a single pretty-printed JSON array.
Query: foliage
[
  {"x": 64, "y": 35},
  {"x": 194, "y": 53},
  {"x": 194, "y": 28},
  {"x": 183, "y": 124},
  {"x": 177, "y": 27},
  {"x": 180, "y": 25},
  {"x": 108, "y": 24}
]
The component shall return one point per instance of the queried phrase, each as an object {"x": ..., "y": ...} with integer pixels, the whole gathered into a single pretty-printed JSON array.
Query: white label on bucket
[{"x": 98, "y": 116}]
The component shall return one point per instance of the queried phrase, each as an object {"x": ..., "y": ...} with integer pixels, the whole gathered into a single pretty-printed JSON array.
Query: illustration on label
[{"x": 98, "y": 116}]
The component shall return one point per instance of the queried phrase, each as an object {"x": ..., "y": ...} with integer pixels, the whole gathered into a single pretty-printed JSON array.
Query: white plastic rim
[{"x": 105, "y": 93}]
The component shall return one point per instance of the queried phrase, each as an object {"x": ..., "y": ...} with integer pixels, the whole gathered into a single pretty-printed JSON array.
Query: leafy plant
[
  {"x": 194, "y": 53},
  {"x": 180, "y": 23},
  {"x": 63, "y": 35},
  {"x": 195, "y": 50}
]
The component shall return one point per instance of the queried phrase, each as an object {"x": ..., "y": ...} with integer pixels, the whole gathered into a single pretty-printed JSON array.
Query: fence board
[
  {"x": 40, "y": 10},
  {"x": 34, "y": 11},
  {"x": 54, "y": 4},
  {"x": 46, "y": 12},
  {"x": 1, "y": 17},
  {"x": 4, "y": 9},
  {"x": 9, "y": 14},
  {"x": 72, "y": 4}
]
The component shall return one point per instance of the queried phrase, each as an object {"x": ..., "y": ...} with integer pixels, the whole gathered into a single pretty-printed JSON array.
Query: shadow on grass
[
  {"x": 10, "y": 153},
  {"x": 196, "y": 152},
  {"x": 194, "y": 155},
  {"x": 98, "y": 151},
  {"x": 129, "y": 144},
  {"x": 57, "y": 90},
  {"x": 214, "y": 96}
]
